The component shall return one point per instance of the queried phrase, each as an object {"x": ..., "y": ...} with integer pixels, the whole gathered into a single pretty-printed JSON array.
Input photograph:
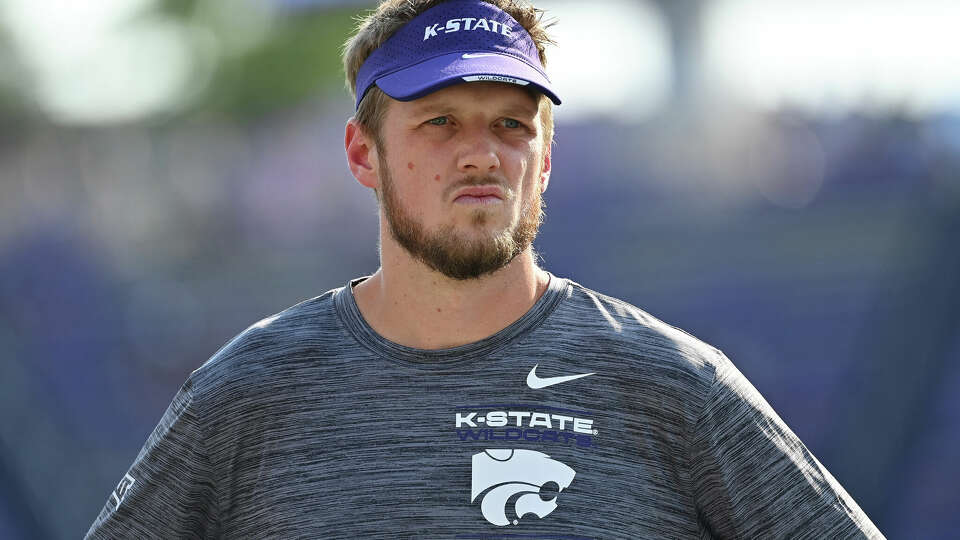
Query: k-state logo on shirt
[{"x": 501, "y": 474}]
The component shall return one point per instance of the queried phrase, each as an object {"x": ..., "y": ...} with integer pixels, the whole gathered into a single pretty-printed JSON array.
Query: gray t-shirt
[{"x": 585, "y": 418}]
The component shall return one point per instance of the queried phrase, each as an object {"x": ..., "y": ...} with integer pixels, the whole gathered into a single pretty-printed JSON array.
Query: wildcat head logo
[{"x": 523, "y": 475}]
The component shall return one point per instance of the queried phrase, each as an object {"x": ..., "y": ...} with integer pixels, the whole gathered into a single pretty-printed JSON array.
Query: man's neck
[{"x": 410, "y": 304}]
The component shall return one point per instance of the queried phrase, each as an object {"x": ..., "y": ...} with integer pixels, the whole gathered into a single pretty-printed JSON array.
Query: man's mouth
[{"x": 479, "y": 195}]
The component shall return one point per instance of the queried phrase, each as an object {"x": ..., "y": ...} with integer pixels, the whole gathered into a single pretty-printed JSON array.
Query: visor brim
[{"x": 445, "y": 70}]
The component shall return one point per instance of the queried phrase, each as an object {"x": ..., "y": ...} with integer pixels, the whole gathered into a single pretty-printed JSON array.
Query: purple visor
[{"x": 454, "y": 42}]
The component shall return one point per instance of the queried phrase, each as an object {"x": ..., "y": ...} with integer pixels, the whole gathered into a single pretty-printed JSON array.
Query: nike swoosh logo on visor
[
  {"x": 477, "y": 55},
  {"x": 542, "y": 382}
]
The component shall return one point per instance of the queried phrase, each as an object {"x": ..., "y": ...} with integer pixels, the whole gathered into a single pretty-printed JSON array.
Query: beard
[{"x": 453, "y": 254}]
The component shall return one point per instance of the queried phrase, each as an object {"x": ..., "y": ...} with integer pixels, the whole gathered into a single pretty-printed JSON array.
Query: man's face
[{"x": 461, "y": 176}]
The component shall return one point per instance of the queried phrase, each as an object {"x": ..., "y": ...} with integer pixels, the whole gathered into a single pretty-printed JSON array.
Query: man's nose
[{"x": 478, "y": 152}]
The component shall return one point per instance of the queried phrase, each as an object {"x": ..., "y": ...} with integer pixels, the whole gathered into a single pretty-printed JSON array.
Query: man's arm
[
  {"x": 754, "y": 478},
  {"x": 169, "y": 491}
]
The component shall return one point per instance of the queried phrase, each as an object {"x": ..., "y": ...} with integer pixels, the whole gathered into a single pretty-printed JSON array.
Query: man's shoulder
[
  {"x": 613, "y": 323},
  {"x": 281, "y": 336}
]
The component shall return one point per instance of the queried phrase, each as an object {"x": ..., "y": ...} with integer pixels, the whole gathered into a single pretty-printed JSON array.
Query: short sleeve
[
  {"x": 168, "y": 492},
  {"x": 754, "y": 478}
]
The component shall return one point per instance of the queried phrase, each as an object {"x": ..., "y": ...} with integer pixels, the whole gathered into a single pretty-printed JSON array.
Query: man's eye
[
  {"x": 438, "y": 121},
  {"x": 511, "y": 123}
]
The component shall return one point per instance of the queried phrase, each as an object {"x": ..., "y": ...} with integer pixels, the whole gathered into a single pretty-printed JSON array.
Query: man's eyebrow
[
  {"x": 520, "y": 110},
  {"x": 432, "y": 108}
]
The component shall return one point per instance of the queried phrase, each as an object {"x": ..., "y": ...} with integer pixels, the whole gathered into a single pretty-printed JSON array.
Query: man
[{"x": 461, "y": 391}]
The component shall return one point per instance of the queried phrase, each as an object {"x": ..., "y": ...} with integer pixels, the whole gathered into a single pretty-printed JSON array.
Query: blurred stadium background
[{"x": 781, "y": 178}]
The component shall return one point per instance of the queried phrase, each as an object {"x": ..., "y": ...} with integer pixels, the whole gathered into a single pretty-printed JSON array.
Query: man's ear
[
  {"x": 545, "y": 172},
  {"x": 361, "y": 154}
]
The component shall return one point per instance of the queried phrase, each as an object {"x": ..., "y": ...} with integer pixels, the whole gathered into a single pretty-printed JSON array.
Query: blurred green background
[{"x": 779, "y": 178}]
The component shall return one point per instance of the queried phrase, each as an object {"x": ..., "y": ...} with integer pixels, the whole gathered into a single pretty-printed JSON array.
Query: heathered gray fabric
[{"x": 310, "y": 425}]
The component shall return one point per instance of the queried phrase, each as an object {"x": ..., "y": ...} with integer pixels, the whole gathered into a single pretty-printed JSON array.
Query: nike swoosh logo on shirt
[
  {"x": 542, "y": 382},
  {"x": 477, "y": 55}
]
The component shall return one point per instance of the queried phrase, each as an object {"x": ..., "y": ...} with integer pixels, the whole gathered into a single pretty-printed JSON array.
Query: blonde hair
[{"x": 389, "y": 16}]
